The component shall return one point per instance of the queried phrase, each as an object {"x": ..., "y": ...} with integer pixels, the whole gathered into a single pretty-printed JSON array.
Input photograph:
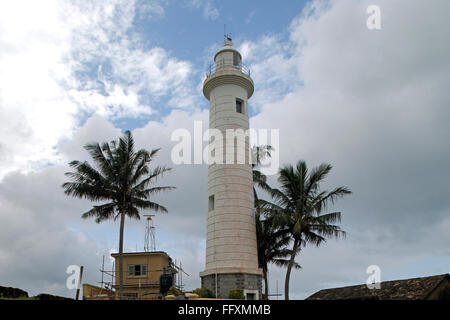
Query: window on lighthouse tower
[
  {"x": 239, "y": 105},
  {"x": 211, "y": 203}
]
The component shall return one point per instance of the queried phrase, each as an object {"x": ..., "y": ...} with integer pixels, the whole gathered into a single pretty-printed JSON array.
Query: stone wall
[{"x": 231, "y": 281}]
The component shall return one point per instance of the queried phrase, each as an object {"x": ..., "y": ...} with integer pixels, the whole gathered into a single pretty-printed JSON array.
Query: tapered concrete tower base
[
  {"x": 231, "y": 247},
  {"x": 225, "y": 282}
]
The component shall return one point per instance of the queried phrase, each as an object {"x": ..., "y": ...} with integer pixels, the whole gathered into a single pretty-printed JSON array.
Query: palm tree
[
  {"x": 271, "y": 241},
  {"x": 272, "y": 244},
  {"x": 298, "y": 205},
  {"x": 259, "y": 153},
  {"x": 122, "y": 177}
]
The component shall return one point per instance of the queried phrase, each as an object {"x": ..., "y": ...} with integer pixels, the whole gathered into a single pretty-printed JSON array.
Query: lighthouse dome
[
  {"x": 228, "y": 69},
  {"x": 228, "y": 53}
]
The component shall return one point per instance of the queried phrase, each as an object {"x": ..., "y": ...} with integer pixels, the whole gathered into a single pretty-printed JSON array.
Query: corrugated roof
[{"x": 407, "y": 289}]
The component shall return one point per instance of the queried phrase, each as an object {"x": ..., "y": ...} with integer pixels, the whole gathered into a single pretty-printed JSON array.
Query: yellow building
[{"x": 141, "y": 276}]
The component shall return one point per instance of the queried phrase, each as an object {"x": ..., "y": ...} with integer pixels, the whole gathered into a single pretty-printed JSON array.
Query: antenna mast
[
  {"x": 149, "y": 241},
  {"x": 227, "y": 36}
]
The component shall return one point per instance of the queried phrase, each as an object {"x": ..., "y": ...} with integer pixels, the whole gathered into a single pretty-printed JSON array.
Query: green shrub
[
  {"x": 236, "y": 294},
  {"x": 19, "y": 298},
  {"x": 204, "y": 293},
  {"x": 175, "y": 292}
]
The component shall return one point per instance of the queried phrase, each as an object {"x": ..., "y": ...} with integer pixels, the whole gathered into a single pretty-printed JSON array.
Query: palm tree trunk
[
  {"x": 122, "y": 224},
  {"x": 266, "y": 285},
  {"x": 289, "y": 268}
]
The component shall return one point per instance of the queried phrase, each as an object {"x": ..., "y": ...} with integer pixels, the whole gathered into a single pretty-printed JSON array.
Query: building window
[
  {"x": 137, "y": 270},
  {"x": 130, "y": 295},
  {"x": 239, "y": 104},
  {"x": 211, "y": 203}
]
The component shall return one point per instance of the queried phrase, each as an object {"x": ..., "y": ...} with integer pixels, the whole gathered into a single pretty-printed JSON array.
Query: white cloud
[
  {"x": 50, "y": 55},
  {"x": 371, "y": 103},
  {"x": 37, "y": 244},
  {"x": 210, "y": 11},
  {"x": 374, "y": 104},
  {"x": 250, "y": 16},
  {"x": 30, "y": 97},
  {"x": 39, "y": 224},
  {"x": 152, "y": 9},
  {"x": 272, "y": 68}
]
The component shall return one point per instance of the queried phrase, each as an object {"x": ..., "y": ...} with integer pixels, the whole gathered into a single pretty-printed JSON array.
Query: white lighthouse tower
[{"x": 231, "y": 247}]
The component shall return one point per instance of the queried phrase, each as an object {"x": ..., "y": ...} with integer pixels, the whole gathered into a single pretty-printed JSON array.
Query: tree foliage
[{"x": 121, "y": 178}]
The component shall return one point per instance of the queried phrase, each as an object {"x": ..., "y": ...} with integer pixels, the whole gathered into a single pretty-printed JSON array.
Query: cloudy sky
[{"x": 373, "y": 103}]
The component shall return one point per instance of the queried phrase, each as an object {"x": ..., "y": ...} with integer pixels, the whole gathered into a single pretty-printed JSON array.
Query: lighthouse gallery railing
[{"x": 227, "y": 66}]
